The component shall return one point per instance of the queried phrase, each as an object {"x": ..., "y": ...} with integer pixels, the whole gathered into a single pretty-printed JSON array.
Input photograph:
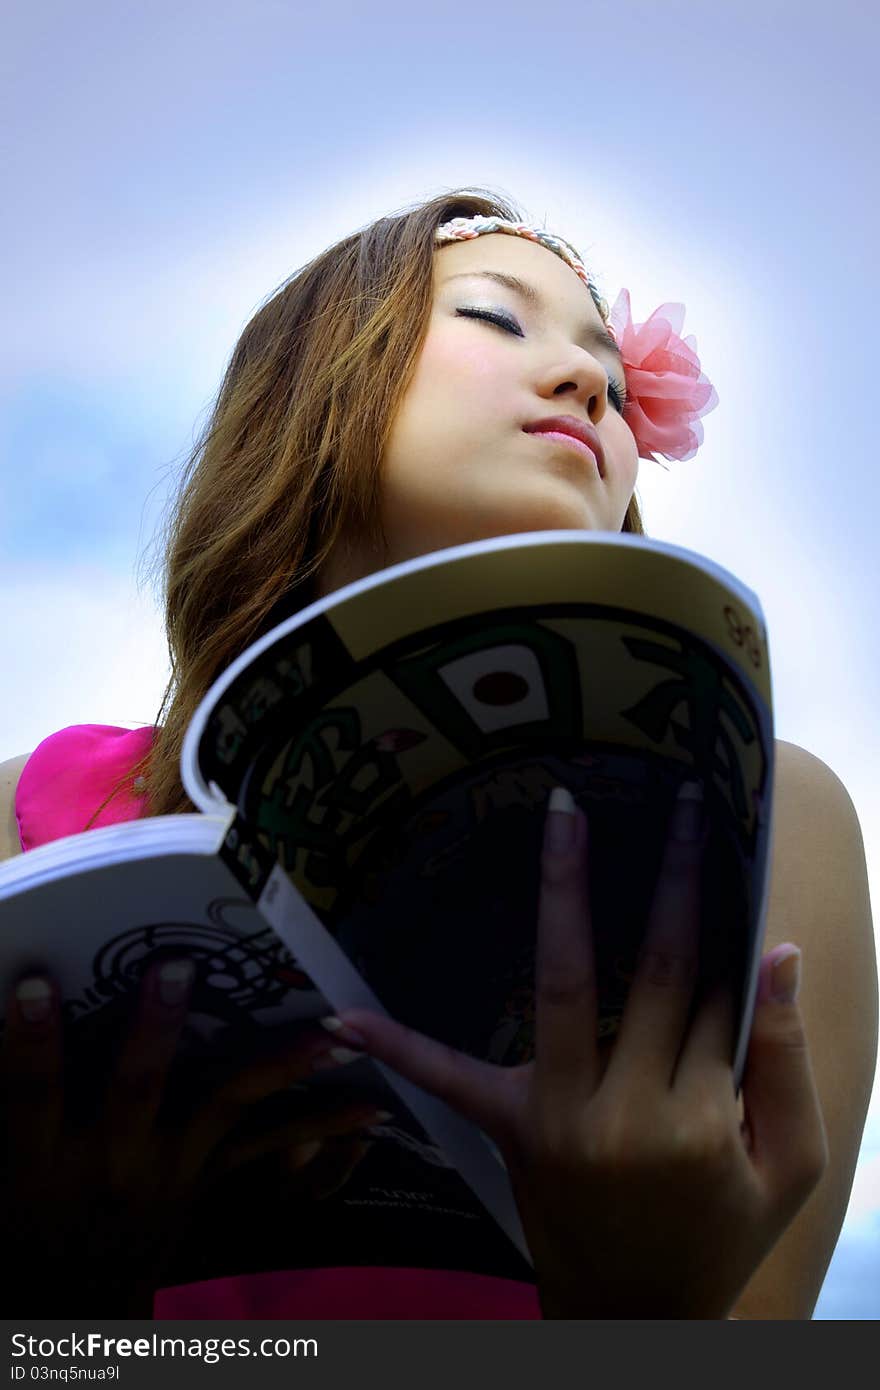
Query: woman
[{"x": 376, "y": 409}]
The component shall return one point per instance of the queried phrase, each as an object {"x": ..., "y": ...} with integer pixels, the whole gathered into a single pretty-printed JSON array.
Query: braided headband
[{"x": 667, "y": 392}]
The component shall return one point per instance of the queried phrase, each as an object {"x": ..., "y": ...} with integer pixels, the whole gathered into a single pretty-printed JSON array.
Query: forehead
[{"x": 555, "y": 280}]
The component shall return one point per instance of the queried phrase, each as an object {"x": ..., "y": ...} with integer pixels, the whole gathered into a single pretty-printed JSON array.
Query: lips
[{"x": 575, "y": 429}]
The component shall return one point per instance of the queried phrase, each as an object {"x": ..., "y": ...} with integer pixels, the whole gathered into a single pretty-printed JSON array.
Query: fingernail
[
  {"x": 343, "y": 1031},
  {"x": 174, "y": 980},
  {"x": 336, "y": 1057},
  {"x": 785, "y": 974},
  {"x": 687, "y": 816},
  {"x": 34, "y": 998},
  {"x": 561, "y": 828}
]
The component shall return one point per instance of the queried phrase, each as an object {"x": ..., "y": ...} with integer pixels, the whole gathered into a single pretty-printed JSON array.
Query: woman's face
[{"x": 459, "y": 465}]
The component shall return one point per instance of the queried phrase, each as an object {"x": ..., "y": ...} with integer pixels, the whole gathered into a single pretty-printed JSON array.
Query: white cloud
[{"x": 86, "y": 648}]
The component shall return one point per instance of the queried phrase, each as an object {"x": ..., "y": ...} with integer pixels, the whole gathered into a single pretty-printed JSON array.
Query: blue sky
[{"x": 174, "y": 163}]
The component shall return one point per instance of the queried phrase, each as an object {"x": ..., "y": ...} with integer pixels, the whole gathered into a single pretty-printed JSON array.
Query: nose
[{"x": 579, "y": 377}]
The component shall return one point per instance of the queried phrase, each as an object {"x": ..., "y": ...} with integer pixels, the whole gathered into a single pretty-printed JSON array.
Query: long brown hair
[{"x": 290, "y": 456}]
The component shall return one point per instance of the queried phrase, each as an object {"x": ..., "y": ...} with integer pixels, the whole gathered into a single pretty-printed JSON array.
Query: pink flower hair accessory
[{"x": 667, "y": 391}]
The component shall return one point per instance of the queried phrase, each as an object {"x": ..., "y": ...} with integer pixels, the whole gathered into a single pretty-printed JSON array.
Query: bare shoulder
[
  {"x": 819, "y": 881},
  {"x": 819, "y": 899},
  {"x": 801, "y": 777},
  {"x": 10, "y": 771}
]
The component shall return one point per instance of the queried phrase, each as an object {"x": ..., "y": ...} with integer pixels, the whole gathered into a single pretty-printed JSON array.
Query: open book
[{"x": 373, "y": 778}]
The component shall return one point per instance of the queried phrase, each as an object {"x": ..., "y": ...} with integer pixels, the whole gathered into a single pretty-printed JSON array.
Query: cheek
[
  {"x": 453, "y": 369},
  {"x": 457, "y": 354}
]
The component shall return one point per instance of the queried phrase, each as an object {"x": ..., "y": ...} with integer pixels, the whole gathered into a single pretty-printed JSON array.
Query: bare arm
[
  {"x": 10, "y": 772},
  {"x": 819, "y": 899}
]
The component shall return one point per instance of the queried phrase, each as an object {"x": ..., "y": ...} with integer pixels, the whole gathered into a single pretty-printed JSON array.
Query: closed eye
[
  {"x": 616, "y": 392},
  {"x": 502, "y": 320}
]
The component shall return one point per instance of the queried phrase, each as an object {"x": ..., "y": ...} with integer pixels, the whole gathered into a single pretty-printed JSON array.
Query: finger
[
  {"x": 331, "y": 1169},
  {"x": 211, "y": 1121},
  {"x": 32, "y": 1074},
  {"x": 783, "y": 1112},
  {"x": 140, "y": 1075},
  {"x": 654, "y": 1017},
  {"x": 707, "y": 1053},
  {"x": 304, "y": 1132},
  {"x": 487, "y": 1095},
  {"x": 299, "y": 1156},
  {"x": 566, "y": 1045}
]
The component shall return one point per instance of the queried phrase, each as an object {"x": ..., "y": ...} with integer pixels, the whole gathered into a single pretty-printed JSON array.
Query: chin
[{"x": 550, "y": 514}]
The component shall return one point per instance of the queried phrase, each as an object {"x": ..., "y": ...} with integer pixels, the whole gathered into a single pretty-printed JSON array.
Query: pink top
[{"x": 62, "y": 783}]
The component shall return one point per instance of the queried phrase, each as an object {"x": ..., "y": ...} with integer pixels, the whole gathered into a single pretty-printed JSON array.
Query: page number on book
[{"x": 743, "y": 635}]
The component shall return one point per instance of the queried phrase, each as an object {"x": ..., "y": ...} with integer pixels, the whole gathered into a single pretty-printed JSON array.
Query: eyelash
[{"x": 618, "y": 396}]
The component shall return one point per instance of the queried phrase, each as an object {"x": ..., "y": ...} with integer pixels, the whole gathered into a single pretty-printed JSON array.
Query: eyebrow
[{"x": 592, "y": 333}]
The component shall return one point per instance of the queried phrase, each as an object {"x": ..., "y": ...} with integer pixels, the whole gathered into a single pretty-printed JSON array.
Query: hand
[
  {"x": 96, "y": 1205},
  {"x": 640, "y": 1192}
]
